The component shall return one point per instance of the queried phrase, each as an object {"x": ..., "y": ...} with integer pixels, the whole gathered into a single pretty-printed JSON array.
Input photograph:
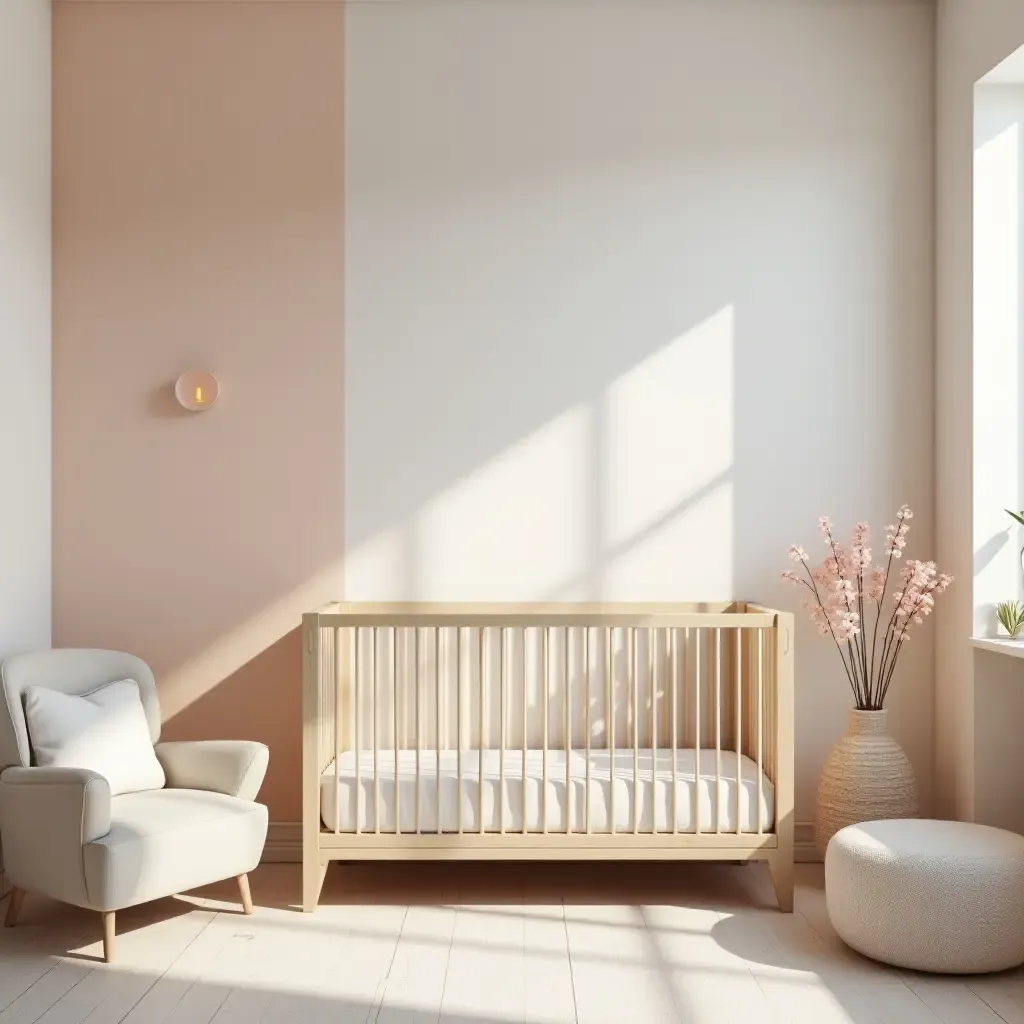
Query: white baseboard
[{"x": 284, "y": 843}]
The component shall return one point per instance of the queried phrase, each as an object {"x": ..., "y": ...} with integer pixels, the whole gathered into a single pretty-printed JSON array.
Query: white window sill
[{"x": 999, "y": 645}]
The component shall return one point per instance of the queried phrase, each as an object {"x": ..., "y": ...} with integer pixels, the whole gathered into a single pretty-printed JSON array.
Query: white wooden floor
[{"x": 410, "y": 944}]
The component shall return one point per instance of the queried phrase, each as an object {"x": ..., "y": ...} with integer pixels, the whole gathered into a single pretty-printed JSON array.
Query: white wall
[
  {"x": 972, "y": 39},
  {"x": 24, "y": 325},
  {"x": 635, "y": 292}
]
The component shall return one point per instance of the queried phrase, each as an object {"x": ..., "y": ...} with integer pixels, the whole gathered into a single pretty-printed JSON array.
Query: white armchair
[{"x": 65, "y": 837}]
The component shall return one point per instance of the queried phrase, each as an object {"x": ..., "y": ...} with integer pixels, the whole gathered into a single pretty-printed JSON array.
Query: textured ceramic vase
[{"x": 866, "y": 777}]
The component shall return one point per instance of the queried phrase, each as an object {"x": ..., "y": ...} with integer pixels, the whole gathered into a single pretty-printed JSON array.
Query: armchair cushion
[
  {"x": 231, "y": 767},
  {"x": 69, "y": 670},
  {"x": 171, "y": 840},
  {"x": 47, "y": 814},
  {"x": 104, "y": 730}
]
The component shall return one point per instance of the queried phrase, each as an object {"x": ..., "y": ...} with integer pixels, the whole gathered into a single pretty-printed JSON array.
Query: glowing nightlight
[{"x": 197, "y": 391}]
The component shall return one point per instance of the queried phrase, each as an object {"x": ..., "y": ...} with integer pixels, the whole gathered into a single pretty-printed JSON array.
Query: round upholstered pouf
[{"x": 941, "y": 896}]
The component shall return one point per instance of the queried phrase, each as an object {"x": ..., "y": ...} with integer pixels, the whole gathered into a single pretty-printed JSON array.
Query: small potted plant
[
  {"x": 1011, "y": 615},
  {"x": 867, "y": 775}
]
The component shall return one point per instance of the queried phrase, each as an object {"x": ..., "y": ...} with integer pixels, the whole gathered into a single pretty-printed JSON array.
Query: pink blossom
[
  {"x": 846, "y": 626},
  {"x": 818, "y": 616},
  {"x": 860, "y": 554},
  {"x": 845, "y": 578}
]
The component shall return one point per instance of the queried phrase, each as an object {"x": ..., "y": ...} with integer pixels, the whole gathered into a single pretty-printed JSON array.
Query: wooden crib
[{"x": 613, "y": 732}]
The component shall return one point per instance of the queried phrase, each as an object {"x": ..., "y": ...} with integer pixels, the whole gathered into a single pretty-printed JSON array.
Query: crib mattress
[{"x": 439, "y": 792}]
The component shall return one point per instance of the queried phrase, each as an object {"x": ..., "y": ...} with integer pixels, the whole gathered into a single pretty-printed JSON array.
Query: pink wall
[{"x": 198, "y": 205}]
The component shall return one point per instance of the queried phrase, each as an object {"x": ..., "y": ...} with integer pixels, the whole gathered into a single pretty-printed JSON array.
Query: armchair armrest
[
  {"x": 232, "y": 767},
  {"x": 46, "y": 816}
]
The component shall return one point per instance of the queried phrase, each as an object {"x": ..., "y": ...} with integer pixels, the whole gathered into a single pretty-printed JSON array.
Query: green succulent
[
  {"x": 1011, "y": 615},
  {"x": 1019, "y": 516}
]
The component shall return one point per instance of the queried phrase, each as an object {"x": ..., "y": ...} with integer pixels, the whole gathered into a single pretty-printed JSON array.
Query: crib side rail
[
  {"x": 429, "y": 615},
  {"x": 620, "y": 682}
]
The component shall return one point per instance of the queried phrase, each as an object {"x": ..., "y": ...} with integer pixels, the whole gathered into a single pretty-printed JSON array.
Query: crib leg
[
  {"x": 781, "y": 868},
  {"x": 312, "y": 882}
]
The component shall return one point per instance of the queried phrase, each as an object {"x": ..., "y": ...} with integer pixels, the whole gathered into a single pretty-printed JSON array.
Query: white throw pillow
[{"x": 105, "y": 731}]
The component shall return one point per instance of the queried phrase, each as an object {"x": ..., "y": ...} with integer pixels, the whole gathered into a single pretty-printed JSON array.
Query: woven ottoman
[{"x": 941, "y": 896}]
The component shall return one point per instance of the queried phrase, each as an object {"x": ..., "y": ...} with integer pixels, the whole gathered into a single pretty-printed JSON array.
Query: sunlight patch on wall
[
  {"x": 687, "y": 557},
  {"x": 670, "y": 446},
  {"x": 607, "y": 501},
  {"x": 185, "y": 683},
  {"x": 516, "y": 527},
  {"x": 382, "y": 568}
]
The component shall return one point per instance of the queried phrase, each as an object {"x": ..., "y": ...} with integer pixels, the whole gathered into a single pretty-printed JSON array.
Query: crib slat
[
  {"x": 696, "y": 735},
  {"x": 773, "y": 706},
  {"x": 480, "y": 774},
  {"x": 760, "y": 752},
  {"x": 335, "y": 675},
  {"x": 321, "y": 683},
  {"x": 325, "y": 691},
  {"x": 544, "y": 729},
  {"x": 357, "y": 746},
  {"x": 586, "y": 719},
  {"x": 739, "y": 728},
  {"x": 320, "y": 725},
  {"x": 568, "y": 737},
  {"x": 437, "y": 726},
  {"x": 674, "y": 677},
  {"x": 526, "y": 716},
  {"x": 652, "y": 677},
  {"x": 458, "y": 724},
  {"x": 610, "y": 728},
  {"x": 396, "y": 696},
  {"x": 501, "y": 714},
  {"x": 718, "y": 730},
  {"x": 634, "y": 656},
  {"x": 321, "y": 701},
  {"x": 416, "y": 684},
  {"x": 376, "y": 768}
]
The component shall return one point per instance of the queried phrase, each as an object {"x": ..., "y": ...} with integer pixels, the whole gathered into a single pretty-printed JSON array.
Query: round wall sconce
[{"x": 196, "y": 391}]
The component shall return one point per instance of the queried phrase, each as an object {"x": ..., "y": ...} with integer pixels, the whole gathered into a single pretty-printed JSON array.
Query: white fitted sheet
[{"x": 654, "y": 788}]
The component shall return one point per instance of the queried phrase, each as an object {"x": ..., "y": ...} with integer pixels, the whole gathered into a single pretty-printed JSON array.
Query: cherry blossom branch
[
  {"x": 826, "y": 529},
  {"x": 881, "y": 597},
  {"x": 800, "y": 556},
  {"x": 916, "y": 615},
  {"x": 850, "y": 583}
]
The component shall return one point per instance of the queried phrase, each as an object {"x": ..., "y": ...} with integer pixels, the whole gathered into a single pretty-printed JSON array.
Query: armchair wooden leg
[
  {"x": 108, "y": 936},
  {"x": 243, "y": 890},
  {"x": 17, "y": 897}
]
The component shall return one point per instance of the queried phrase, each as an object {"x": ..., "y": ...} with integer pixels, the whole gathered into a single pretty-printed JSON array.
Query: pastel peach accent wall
[{"x": 198, "y": 224}]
